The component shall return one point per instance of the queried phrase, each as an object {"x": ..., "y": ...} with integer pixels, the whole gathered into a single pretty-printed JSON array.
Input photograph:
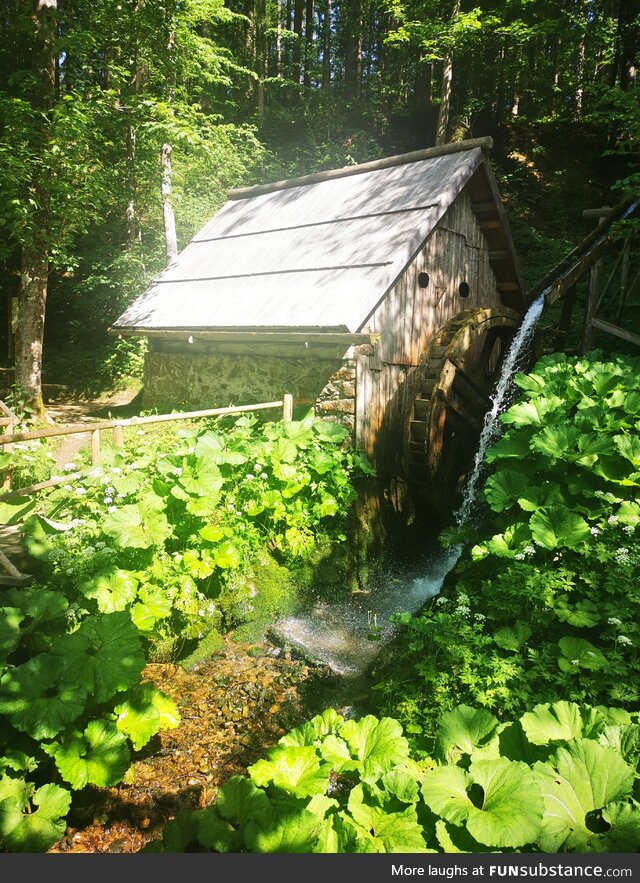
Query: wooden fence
[{"x": 9, "y": 420}]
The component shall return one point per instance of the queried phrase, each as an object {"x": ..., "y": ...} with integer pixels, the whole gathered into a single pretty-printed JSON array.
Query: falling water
[
  {"x": 347, "y": 635},
  {"x": 517, "y": 354}
]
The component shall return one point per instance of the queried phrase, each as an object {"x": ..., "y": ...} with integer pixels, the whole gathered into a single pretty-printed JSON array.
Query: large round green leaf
[
  {"x": 98, "y": 756},
  {"x": 510, "y": 812},
  {"x": 562, "y": 722},
  {"x": 112, "y": 589},
  {"x": 104, "y": 655},
  {"x": 145, "y": 712},
  {"x": 464, "y": 729},
  {"x": 38, "y": 697},
  {"x": 557, "y": 527},
  {"x": 584, "y": 776},
  {"x": 294, "y": 769}
]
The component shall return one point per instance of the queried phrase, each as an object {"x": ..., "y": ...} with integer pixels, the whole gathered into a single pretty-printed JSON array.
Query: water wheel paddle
[{"x": 452, "y": 393}]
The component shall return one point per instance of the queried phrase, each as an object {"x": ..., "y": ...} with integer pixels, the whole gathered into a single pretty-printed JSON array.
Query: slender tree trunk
[
  {"x": 445, "y": 91},
  {"x": 298, "y": 10},
  {"x": 35, "y": 253},
  {"x": 326, "y": 46},
  {"x": 353, "y": 53},
  {"x": 629, "y": 43},
  {"x": 308, "y": 43},
  {"x": 580, "y": 64},
  {"x": 170, "y": 238}
]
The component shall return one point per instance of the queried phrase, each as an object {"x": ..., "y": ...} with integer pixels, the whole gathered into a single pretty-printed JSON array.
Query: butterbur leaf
[
  {"x": 629, "y": 447},
  {"x": 624, "y": 833},
  {"x": 144, "y": 713},
  {"x": 39, "y": 605},
  {"x": 32, "y": 821},
  {"x": 506, "y": 545},
  {"x": 328, "y": 431},
  {"x": 10, "y": 632},
  {"x": 112, "y": 589},
  {"x": 582, "y": 614},
  {"x": 314, "y": 731},
  {"x": 503, "y": 489},
  {"x": 625, "y": 739},
  {"x": 513, "y": 637},
  {"x": 533, "y": 413},
  {"x": 582, "y": 777},
  {"x": 287, "y": 830},
  {"x": 629, "y": 513},
  {"x": 239, "y": 800},
  {"x": 38, "y": 699},
  {"x": 555, "y": 527},
  {"x": 511, "y": 811},
  {"x": 226, "y": 555},
  {"x": 104, "y": 655},
  {"x": 558, "y": 442},
  {"x": 137, "y": 526},
  {"x": 394, "y": 831},
  {"x": 464, "y": 729},
  {"x": 98, "y": 756},
  {"x": 296, "y": 770},
  {"x": 376, "y": 745},
  {"x": 578, "y": 653},
  {"x": 513, "y": 445},
  {"x": 215, "y": 833},
  {"x": 561, "y": 722}
]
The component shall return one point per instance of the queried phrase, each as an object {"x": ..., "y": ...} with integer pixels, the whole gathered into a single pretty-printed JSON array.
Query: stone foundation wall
[
  {"x": 213, "y": 380},
  {"x": 337, "y": 400}
]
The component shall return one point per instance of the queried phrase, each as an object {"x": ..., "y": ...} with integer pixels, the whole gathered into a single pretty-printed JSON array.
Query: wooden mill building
[{"x": 381, "y": 295}]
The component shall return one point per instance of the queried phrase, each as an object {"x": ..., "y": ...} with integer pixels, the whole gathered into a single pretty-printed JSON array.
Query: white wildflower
[
  {"x": 264, "y": 476},
  {"x": 257, "y": 467},
  {"x": 575, "y": 662},
  {"x": 613, "y": 620},
  {"x": 108, "y": 501},
  {"x": 622, "y": 639},
  {"x": 462, "y": 610},
  {"x": 112, "y": 509},
  {"x": 80, "y": 491},
  {"x": 480, "y": 617},
  {"x": 116, "y": 470},
  {"x": 594, "y": 531},
  {"x": 612, "y": 519},
  {"x": 69, "y": 467},
  {"x": 140, "y": 432},
  {"x": 529, "y": 550},
  {"x": 250, "y": 476},
  {"x": 519, "y": 556}
]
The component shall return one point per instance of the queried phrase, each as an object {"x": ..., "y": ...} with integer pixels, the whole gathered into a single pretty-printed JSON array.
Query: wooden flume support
[{"x": 588, "y": 257}]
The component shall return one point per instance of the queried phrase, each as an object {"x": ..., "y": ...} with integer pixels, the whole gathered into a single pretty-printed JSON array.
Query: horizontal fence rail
[{"x": 118, "y": 426}]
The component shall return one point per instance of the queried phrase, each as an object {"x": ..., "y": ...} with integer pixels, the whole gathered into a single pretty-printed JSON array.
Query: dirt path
[{"x": 65, "y": 411}]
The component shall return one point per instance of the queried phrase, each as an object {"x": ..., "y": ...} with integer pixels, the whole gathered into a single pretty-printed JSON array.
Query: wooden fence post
[
  {"x": 287, "y": 407},
  {"x": 8, "y": 430},
  {"x": 95, "y": 447},
  {"x": 118, "y": 436}
]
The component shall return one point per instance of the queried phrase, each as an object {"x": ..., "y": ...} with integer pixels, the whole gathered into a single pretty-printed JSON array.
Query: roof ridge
[{"x": 486, "y": 143}]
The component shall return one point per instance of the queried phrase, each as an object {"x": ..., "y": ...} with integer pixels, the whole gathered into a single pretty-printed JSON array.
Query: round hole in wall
[
  {"x": 423, "y": 280},
  {"x": 464, "y": 290}
]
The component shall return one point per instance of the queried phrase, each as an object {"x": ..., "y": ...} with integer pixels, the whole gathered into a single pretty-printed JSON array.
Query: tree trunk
[
  {"x": 353, "y": 52},
  {"x": 579, "y": 95},
  {"x": 170, "y": 238},
  {"x": 35, "y": 253},
  {"x": 326, "y": 45},
  {"x": 298, "y": 10},
  {"x": 445, "y": 91},
  {"x": 308, "y": 43}
]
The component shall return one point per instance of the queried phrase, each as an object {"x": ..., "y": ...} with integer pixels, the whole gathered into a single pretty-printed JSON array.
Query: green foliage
[
  {"x": 556, "y": 780},
  {"x": 548, "y": 607}
]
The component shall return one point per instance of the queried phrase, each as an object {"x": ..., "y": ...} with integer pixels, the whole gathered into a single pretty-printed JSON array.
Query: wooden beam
[
  {"x": 189, "y": 335},
  {"x": 574, "y": 271},
  {"x": 479, "y": 207},
  {"x": 622, "y": 333},
  {"x": 591, "y": 306},
  {"x": 597, "y": 212},
  {"x": 490, "y": 224},
  {"x": 346, "y": 171},
  {"x": 499, "y": 254},
  {"x": 507, "y": 286}
]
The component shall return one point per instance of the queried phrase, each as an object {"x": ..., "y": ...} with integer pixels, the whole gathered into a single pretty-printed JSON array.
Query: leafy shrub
[{"x": 561, "y": 778}]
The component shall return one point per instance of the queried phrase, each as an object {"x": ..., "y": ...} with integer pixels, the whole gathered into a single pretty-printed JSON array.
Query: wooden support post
[
  {"x": 624, "y": 277},
  {"x": 287, "y": 407},
  {"x": 8, "y": 430},
  {"x": 565, "y": 317},
  {"x": 95, "y": 447},
  {"x": 590, "y": 308},
  {"x": 118, "y": 436}
]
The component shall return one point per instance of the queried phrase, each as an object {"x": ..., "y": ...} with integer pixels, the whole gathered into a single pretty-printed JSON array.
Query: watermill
[{"x": 451, "y": 394}]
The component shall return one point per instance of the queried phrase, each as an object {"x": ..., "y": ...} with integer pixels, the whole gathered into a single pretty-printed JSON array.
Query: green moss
[{"x": 207, "y": 647}]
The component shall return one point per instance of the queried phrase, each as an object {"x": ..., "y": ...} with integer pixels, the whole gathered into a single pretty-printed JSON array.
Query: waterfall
[{"x": 517, "y": 354}]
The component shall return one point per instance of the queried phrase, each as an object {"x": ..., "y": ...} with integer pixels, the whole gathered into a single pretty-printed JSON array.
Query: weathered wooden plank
[{"x": 616, "y": 331}]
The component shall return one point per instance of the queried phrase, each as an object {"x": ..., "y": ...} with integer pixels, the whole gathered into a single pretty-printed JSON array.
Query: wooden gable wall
[{"x": 408, "y": 318}]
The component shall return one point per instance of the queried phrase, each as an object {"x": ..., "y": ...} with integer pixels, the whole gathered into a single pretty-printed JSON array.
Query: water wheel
[{"x": 451, "y": 395}]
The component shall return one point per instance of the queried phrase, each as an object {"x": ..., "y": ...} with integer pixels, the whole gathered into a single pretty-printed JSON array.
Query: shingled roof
[{"x": 313, "y": 254}]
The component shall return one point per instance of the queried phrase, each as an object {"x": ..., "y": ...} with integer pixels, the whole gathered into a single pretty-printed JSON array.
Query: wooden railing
[{"x": 9, "y": 421}]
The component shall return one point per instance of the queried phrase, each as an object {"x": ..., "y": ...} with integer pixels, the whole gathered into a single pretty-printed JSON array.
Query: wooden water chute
[{"x": 588, "y": 257}]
